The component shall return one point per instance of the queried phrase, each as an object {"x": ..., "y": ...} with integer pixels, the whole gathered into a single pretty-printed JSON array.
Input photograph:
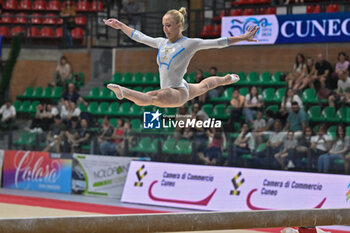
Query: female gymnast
[{"x": 174, "y": 55}]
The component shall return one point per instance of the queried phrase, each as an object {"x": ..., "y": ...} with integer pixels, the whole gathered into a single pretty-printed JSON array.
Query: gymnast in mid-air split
[{"x": 174, "y": 55}]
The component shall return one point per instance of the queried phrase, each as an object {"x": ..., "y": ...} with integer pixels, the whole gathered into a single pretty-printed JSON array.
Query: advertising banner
[
  {"x": 302, "y": 28},
  {"x": 99, "y": 175},
  {"x": 228, "y": 188},
  {"x": 36, "y": 171}
]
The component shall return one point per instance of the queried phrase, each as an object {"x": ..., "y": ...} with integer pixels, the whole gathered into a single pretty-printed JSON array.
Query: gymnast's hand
[
  {"x": 114, "y": 23},
  {"x": 250, "y": 33}
]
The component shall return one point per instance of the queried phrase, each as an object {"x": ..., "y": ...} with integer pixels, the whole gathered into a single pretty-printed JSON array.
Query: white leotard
[{"x": 173, "y": 58}]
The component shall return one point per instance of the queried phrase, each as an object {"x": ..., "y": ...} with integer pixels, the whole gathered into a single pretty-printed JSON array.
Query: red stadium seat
[
  {"x": 262, "y": 11},
  {"x": 239, "y": 2},
  {"x": 217, "y": 30},
  {"x": 317, "y": 9},
  {"x": 222, "y": 14},
  {"x": 39, "y": 5},
  {"x": 50, "y": 19},
  {"x": 59, "y": 33},
  {"x": 16, "y": 30},
  {"x": 83, "y": 6},
  {"x": 10, "y": 5},
  {"x": 53, "y": 5},
  {"x": 33, "y": 32},
  {"x": 97, "y": 6},
  {"x": 65, "y": 3},
  {"x": 310, "y": 9},
  {"x": 236, "y": 12},
  {"x": 248, "y": 11},
  {"x": 20, "y": 18},
  {"x": 265, "y": 1},
  {"x": 7, "y": 18},
  {"x": 36, "y": 18},
  {"x": 207, "y": 30},
  {"x": 80, "y": 20},
  {"x": 77, "y": 33},
  {"x": 25, "y": 5},
  {"x": 332, "y": 8},
  {"x": 46, "y": 32},
  {"x": 4, "y": 31},
  {"x": 60, "y": 21},
  {"x": 271, "y": 11}
]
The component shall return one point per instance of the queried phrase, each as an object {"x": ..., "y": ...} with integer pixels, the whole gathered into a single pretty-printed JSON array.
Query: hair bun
[{"x": 183, "y": 11}]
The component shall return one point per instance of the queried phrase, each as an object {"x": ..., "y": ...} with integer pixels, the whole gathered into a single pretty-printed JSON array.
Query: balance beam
[{"x": 177, "y": 221}]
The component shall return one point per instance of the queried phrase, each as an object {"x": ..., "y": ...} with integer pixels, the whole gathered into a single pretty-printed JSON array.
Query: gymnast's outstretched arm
[{"x": 133, "y": 33}]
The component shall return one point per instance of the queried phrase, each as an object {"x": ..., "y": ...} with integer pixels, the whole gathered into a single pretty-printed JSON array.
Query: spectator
[
  {"x": 127, "y": 137},
  {"x": 199, "y": 136},
  {"x": 253, "y": 102},
  {"x": 297, "y": 119},
  {"x": 244, "y": 143},
  {"x": 259, "y": 123},
  {"x": 54, "y": 137},
  {"x": 303, "y": 82},
  {"x": 343, "y": 84},
  {"x": 299, "y": 70},
  {"x": 323, "y": 71},
  {"x": 68, "y": 15},
  {"x": 83, "y": 136},
  {"x": 72, "y": 95},
  {"x": 105, "y": 139},
  {"x": 132, "y": 9},
  {"x": 289, "y": 143},
  {"x": 71, "y": 134},
  {"x": 198, "y": 111},
  {"x": 183, "y": 115},
  {"x": 304, "y": 143},
  {"x": 8, "y": 115},
  {"x": 269, "y": 120},
  {"x": 214, "y": 151},
  {"x": 117, "y": 138},
  {"x": 198, "y": 78},
  {"x": 320, "y": 144},
  {"x": 237, "y": 102},
  {"x": 340, "y": 147},
  {"x": 341, "y": 66},
  {"x": 347, "y": 96},
  {"x": 216, "y": 92},
  {"x": 286, "y": 105},
  {"x": 39, "y": 119},
  {"x": 63, "y": 73}
]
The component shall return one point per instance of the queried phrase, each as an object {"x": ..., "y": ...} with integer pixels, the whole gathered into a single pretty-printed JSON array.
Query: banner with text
[
  {"x": 302, "y": 28},
  {"x": 99, "y": 175},
  {"x": 36, "y": 171},
  {"x": 226, "y": 188}
]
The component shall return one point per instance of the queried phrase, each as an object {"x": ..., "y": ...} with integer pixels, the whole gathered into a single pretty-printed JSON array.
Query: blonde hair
[{"x": 179, "y": 16}]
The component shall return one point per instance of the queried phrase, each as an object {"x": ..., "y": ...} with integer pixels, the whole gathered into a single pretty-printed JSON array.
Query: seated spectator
[
  {"x": 340, "y": 146},
  {"x": 270, "y": 119},
  {"x": 244, "y": 143},
  {"x": 71, "y": 134},
  {"x": 198, "y": 111},
  {"x": 8, "y": 115},
  {"x": 289, "y": 142},
  {"x": 63, "y": 73},
  {"x": 303, "y": 82},
  {"x": 199, "y": 136},
  {"x": 211, "y": 154},
  {"x": 127, "y": 137},
  {"x": 237, "y": 102},
  {"x": 253, "y": 102},
  {"x": 259, "y": 123},
  {"x": 54, "y": 137},
  {"x": 39, "y": 120},
  {"x": 320, "y": 144},
  {"x": 117, "y": 138},
  {"x": 298, "y": 72},
  {"x": 83, "y": 136},
  {"x": 286, "y": 104},
  {"x": 72, "y": 95},
  {"x": 297, "y": 119},
  {"x": 341, "y": 66},
  {"x": 49, "y": 115},
  {"x": 322, "y": 76},
  {"x": 343, "y": 84},
  {"x": 216, "y": 92},
  {"x": 301, "y": 150},
  {"x": 105, "y": 133}
]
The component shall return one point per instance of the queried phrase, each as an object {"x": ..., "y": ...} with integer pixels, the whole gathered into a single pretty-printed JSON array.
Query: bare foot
[
  {"x": 231, "y": 78},
  {"x": 118, "y": 90}
]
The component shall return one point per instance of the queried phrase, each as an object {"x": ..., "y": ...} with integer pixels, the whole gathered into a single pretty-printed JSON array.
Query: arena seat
[
  {"x": 46, "y": 32},
  {"x": 4, "y": 31},
  {"x": 268, "y": 94},
  {"x": 7, "y": 18},
  {"x": 106, "y": 94},
  {"x": 236, "y": 12},
  {"x": 309, "y": 9},
  {"x": 314, "y": 113},
  {"x": 17, "y": 30},
  {"x": 102, "y": 108},
  {"x": 271, "y": 11},
  {"x": 248, "y": 11},
  {"x": 39, "y": 5},
  {"x": 94, "y": 93},
  {"x": 36, "y": 18},
  {"x": 309, "y": 96},
  {"x": 80, "y": 20},
  {"x": 218, "y": 18},
  {"x": 25, "y": 5},
  {"x": 332, "y": 8},
  {"x": 20, "y": 18},
  {"x": 77, "y": 34},
  {"x": 317, "y": 9},
  {"x": 279, "y": 94},
  {"x": 59, "y": 32},
  {"x": 183, "y": 147},
  {"x": 217, "y": 30},
  {"x": 63, "y": 5},
  {"x": 220, "y": 112},
  {"x": 207, "y": 30},
  {"x": 54, "y": 5},
  {"x": 10, "y": 5},
  {"x": 49, "y": 19},
  {"x": 33, "y": 32},
  {"x": 38, "y": 92},
  {"x": 96, "y": 6},
  {"x": 328, "y": 114},
  {"x": 135, "y": 111},
  {"x": 83, "y": 6}
]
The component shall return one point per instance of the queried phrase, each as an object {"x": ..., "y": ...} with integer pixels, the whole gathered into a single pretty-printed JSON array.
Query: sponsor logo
[
  {"x": 348, "y": 193},
  {"x": 140, "y": 176},
  {"x": 151, "y": 120},
  {"x": 236, "y": 184}
]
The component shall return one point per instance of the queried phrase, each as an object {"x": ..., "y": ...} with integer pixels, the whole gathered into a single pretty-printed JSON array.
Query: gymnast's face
[{"x": 170, "y": 28}]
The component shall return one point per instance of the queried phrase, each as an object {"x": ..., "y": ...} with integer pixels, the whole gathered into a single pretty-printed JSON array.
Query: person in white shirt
[
  {"x": 320, "y": 144},
  {"x": 253, "y": 102},
  {"x": 343, "y": 84},
  {"x": 244, "y": 143},
  {"x": 8, "y": 113},
  {"x": 174, "y": 55}
]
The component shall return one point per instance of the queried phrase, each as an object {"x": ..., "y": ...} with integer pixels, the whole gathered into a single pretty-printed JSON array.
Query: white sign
[
  {"x": 227, "y": 189},
  {"x": 237, "y": 25}
]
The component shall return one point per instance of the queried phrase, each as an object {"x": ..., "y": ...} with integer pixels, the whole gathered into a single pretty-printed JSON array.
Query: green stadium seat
[
  {"x": 102, "y": 108},
  {"x": 142, "y": 146},
  {"x": 243, "y": 91},
  {"x": 17, "y": 104},
  {"x": 93, "y": 108},
  {"x": 114, "y": 122},
  {"x": 38, "y": 93},
  {"x": 280, "y": 94},
  {"x": 220, "y": 112},
  {"x": 273, "y": 108},
  {"x": 25, "y": 107},
  {"x": 183, "y": 147},
  {"x": 226, "y": 96},
  {"x": 106, "y": 94},
  {"x": 135, "y": 110},
  {"x": 265, "y": 78},
  {"x": 332, "y": 131},
  {"x": 79, "y": 79},
  {"x": 253, "y": 78},
  {"x": 94, "y": 94},
  {"x": 25, "y": 139},
  {"x": 136, "y": 125},
  {"x": 276, "y": 79},
  {"x": 343, "y": 115},
  {"x": 138, "y": 78},
  {"x": 149, "y": 108},
  {"x": 170, "y": 111},
  {"x": 127, "y": 78},
  {"x": 47, "y": 93},
  {"x": 314, "y": 113},
  {"x": 261, "y": 147},
  {"x": 117, "y": 78},
  {"x": 28, "y": 92},
  {"x": 113, "y": 109},
  {"x": 191, "y": 77},
  {"x": 206, "y": 74},
  {"x": 149, "y": 79},
  {"x": 138, "y": 88},
  {"x": 169, "y": 146},
  {"x": 57, "y": 93},
  {"x": 82, "y": 107},
  {"x": 208, "y": 108},
  {"x": 124, "y": 109},
  {"x": 268, "y": 95},
  {"x": 147, "y": 89},
  {"x": 309, "y": 96},
  {"x": 328, "y": 114}
]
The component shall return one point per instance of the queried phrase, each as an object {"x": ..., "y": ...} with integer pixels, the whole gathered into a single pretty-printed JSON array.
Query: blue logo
[{"x": 151, "y": 120}]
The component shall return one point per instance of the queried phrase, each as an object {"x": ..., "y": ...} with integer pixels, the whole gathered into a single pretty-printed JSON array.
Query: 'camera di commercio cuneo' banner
[
  {"x": 303, "y": 28},
  {"x": 228, "y": 188}
]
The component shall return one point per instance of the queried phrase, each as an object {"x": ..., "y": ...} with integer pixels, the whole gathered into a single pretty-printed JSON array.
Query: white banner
[
  {"x": 227, "y": 189},
  {"x": 99, "y": 175},
  {"x": 237, "y": 25}
]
